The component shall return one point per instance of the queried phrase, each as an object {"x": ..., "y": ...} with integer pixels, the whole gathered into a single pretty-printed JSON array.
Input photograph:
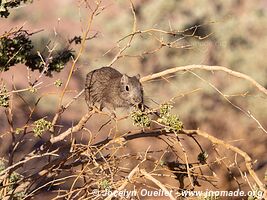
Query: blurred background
[{"x": 232, "y": 34}]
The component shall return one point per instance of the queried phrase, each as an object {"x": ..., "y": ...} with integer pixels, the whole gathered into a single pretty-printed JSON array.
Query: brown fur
[{"x": 111, "y": 89}]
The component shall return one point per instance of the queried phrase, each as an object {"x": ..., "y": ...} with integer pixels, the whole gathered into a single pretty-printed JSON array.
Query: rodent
[{"x": 110, "y": 89}]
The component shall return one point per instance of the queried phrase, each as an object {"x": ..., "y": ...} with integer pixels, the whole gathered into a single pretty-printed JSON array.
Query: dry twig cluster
[{"x": 74, "y": 170}]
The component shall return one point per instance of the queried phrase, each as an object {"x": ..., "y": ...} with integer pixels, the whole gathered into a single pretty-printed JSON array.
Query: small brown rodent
[{"x": 111, "y": 89}]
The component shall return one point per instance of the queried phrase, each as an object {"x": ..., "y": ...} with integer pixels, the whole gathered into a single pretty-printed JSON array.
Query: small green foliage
[
  {"x": 2, "y": 165},
  {"x": 170, "y": 121},
  {"x": 33, "y": 89},
  {"x": 56, "y": 63},
  {"x": 251, "y": 198},
  {"x": 140, "y": 118},
  {"x": 161, "y": 162},
  {"x": 209, "y": 197},
  {"x": 104, "y": 184},
  {"x": 4, "y": 97},
  {"x": 14, "y": 177},
  {"x": 18, "y": 48},
  {"x": 60, "y": 59},
  {"x": 76, "y": 40},
  {"x": 58, "y": 83},
  {"x": 165, "y": 109},
  {"x": 14, "y": 49},
  {"x": 19, "y": 195},
  {"x": 13, "y": 180},
  {"x": 202, "y": 157},
  {"x": 5, "y": 5},
  {"x": 40, "y": 126},
  {"x": 18, "y": 130}
]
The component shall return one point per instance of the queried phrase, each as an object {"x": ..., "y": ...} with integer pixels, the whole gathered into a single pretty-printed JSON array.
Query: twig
[
  {"x": 24, "y": 161},
  {"x": 125, "y": 183},
  {"x": 205, "y": 67},
  {"x": 119, "y": 54},
  {"x": 85, "y": 35},
  {"x": 247, "y": 158},
  {"x": 74, "y": 129},
  {"x": 158, "y": 183},
  {"x": 247, "y": 113},
  {"x": 59, "y": 112}
]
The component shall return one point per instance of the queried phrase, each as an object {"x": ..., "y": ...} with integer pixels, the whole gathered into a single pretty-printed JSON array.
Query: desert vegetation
[{"x": 203, "y": 70}]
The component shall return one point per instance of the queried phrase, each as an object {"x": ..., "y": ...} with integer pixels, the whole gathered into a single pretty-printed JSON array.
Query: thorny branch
[
  {"x": 205, "y": 67},
  {"x": 214, "y": 68},
  {"x": 100, "y": 164},
  {"x": 84, "y": 38}
]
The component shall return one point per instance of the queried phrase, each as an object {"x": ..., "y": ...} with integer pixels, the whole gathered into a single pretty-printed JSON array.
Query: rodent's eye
[{"x": 127, "y": 88}]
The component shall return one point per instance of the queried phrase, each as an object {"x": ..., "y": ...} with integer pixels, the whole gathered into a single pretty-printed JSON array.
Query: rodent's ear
[
  {"x": 138, "y": 76},
  {"x": 124, "y": 78}
]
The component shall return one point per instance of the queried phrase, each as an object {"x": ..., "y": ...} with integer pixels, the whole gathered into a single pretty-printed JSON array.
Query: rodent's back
[
  {"x": 112, "y": 90},
  {"x": 96, "y": 83}
]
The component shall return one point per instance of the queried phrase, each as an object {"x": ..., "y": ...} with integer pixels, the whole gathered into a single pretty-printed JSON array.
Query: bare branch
[
  {"x": 74, "y": 129},
  {"x": 246, "y": 157},
  {"x": 158, "y": 183},
  {"x": 209, "y": 68}
]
